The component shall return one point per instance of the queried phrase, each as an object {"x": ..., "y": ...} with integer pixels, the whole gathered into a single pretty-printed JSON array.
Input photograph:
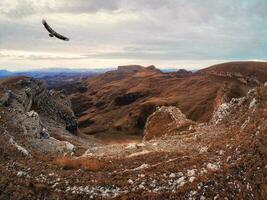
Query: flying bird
[{"x": 53, "y": 33}]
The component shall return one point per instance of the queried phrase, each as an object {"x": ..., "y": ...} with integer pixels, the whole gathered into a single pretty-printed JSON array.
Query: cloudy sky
[{"x": 166, "y": 33}]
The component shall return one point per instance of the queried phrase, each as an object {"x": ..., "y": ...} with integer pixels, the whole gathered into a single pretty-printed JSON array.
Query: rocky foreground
[{"x": 44, "y": 156}]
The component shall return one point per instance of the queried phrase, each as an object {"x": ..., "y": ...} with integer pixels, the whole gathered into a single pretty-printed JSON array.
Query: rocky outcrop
[
  {"x": 183, "y": 72},
  {"x": 6, "y": 98},
  {"x": 243, "y": 79},
  {"x": 30, "y": 94},
  {"x": 166, "y": 120},
  {"x": 129, "y": 68}
]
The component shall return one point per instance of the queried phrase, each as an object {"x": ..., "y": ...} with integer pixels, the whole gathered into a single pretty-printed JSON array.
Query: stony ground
[{"x": 223, "y": 159}]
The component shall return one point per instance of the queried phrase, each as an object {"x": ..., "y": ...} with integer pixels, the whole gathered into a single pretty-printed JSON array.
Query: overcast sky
[{"x": 107, "y": 33}]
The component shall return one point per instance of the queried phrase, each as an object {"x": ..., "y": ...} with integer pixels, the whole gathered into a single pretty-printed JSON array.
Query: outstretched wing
[
  {"x": 47, "y": 27},
  {"x": 54, "y": 33},
  {"x": 61, "y": 36}
]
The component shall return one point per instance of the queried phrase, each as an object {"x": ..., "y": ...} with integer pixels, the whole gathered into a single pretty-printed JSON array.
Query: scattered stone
[
  {"x": 212, "y": 167},
  {"x": 191, "y": 172},
  {"x": 253, "y": 103},
  {"x": 21, "y": 174},
  {"x": 131, "y": 146}
]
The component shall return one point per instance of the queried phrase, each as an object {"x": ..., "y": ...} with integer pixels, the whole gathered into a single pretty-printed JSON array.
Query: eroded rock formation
[{"x": 166, "y": 120}]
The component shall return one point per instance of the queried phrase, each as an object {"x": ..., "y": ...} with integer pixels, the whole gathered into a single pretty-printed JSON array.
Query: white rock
[
  {"x": 180, "y": 174},
  {"x": 212, "y": 167},
  {"x": 69, "y": 147},
  {"x": 19, "y": 148},
  {"x": 139, "y": 153},
  {"x": 130, "y": 181},
  {"x": 202, "y": 198},
  {"x": 191, "y": 172},
  {"x": 143, "y": 166},
  {"x": 155, "y": 144},
  {"x": 21, "y": 173},
  {"x": 180, "y": 181},
  {"x": 253, "y": 103},
  {"x": 172, "y": 175},
  {"x": 203, "y": 149},
  {"x": 191, "y": 179},
  {"x": 141, "y": 186},
  {"x": 221, "y": 152},
  {"x": 131, "y": 146},
  {"x": 142, "y": 175}
]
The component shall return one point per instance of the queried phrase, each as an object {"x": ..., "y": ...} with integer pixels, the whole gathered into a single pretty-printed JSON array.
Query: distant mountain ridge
[{"x": 49, "y": 72}]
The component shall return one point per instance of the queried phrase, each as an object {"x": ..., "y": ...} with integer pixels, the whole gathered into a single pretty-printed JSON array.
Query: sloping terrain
[
  {"x": 120, "y": 101},
  {"x": 225, "y": 158}
]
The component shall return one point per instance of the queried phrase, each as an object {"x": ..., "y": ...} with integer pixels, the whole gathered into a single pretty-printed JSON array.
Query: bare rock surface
[{"x": 164, "y": 121}]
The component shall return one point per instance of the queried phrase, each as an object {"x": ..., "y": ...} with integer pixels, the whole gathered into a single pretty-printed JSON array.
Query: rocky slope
[
  {"x": 34, "y": 111},
  {"x": 121, "y": 100},
  {"x": 224, "y": 157}
]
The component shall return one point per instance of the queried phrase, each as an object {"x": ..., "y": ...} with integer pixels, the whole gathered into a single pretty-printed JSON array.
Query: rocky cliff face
[
  {"x": 27, "y": 94},
  {"x": 33, "y": 117}
]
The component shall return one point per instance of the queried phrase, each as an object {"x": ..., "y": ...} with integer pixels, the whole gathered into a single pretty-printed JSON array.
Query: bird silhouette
[{"x": 53, "y": 33}]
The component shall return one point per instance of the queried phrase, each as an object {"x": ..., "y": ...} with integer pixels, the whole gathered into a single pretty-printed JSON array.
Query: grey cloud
[
  {"x": 143, "y": 29},
  {"x": 24, "y": 8}
]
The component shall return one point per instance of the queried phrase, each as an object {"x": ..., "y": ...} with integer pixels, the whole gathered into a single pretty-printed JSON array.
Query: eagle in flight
[{"x": 53, "y": 33}]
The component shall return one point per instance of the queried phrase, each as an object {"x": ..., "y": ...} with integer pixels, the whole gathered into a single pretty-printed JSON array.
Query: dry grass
[{"x": 90, "y": 164}]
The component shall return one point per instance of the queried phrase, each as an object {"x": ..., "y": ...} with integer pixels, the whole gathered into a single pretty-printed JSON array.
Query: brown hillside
[
  {"x": 121, "y": 100},
  {"x": 249, "y": 69}
]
